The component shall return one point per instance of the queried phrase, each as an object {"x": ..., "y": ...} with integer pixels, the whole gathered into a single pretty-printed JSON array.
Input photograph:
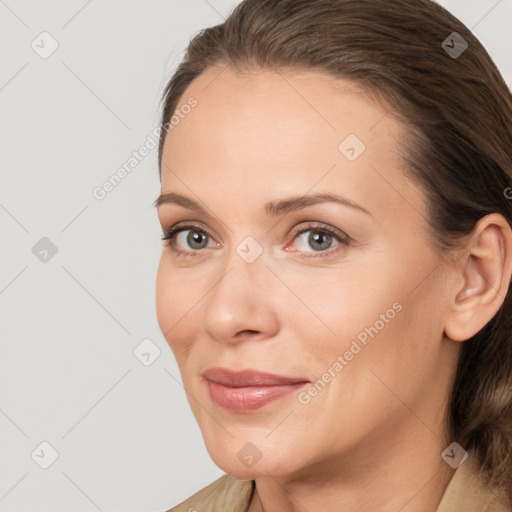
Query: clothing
[{"x": 465, "y": 492}]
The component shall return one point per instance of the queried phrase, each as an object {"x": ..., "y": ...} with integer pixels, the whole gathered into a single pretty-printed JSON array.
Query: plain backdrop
[{"x": 91, "y": 419}]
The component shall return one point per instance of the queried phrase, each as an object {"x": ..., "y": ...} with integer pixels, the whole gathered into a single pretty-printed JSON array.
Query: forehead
[
  {"x": 268, "y": 103},
  {"x": 264, "y": 133}
]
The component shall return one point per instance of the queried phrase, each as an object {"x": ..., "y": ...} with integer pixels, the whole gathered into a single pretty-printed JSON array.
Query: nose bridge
[
  {"x": 239, "y": 299},
  {"x": 243, "y": 271}
]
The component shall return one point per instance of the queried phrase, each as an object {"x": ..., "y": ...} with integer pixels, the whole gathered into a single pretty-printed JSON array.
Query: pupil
[
  {"x": 313, "y": 238},
  {"x": 194, "y": 238}
]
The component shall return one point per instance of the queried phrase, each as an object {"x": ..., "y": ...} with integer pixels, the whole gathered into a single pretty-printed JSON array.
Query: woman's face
[{"x": 353, "y": 315}]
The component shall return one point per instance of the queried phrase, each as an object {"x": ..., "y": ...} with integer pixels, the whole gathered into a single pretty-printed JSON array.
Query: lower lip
[{"x": 249, "y": 398}]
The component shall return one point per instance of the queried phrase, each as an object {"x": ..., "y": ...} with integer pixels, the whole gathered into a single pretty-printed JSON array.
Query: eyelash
[{"x": 344, "y": 240}]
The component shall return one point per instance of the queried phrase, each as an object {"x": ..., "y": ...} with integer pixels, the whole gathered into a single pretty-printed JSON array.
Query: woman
[{"x": 334, "y": 282}]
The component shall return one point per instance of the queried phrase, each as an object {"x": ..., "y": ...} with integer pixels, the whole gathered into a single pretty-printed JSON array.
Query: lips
[
  {"x": 246, "y": 378},
  {"x": 248, "y": 390}
]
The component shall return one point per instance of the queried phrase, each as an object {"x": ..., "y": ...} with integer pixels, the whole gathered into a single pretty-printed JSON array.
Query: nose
[{"x": 242, "y": 305}]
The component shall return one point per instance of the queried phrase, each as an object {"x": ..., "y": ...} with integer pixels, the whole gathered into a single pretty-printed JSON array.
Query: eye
[
  {"x": 191, "y": 235},
  {"x": 320, "y": 238}
]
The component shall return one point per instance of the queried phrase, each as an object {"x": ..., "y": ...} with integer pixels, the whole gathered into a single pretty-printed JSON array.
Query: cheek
[
  {"x": 362, "y": 323},
  {"x": 163, "y": 296},
  {"x": 392, "y": 349},
  {"x": 341, "y": 306},
  {"x": 172, "y": 299}
]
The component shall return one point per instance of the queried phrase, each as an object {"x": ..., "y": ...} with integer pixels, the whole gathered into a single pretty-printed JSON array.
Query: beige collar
[{"x": 467, "y": 492}]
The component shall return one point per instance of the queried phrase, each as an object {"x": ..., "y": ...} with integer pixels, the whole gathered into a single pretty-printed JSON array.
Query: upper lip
[{"x": 243, "y": 378}]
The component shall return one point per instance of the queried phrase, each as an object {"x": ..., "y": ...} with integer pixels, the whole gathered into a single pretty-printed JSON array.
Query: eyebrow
[{"x": 272, "y": 208}]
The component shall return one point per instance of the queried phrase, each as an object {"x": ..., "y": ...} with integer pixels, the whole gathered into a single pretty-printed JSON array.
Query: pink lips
[{"x": 248, "y": 390}]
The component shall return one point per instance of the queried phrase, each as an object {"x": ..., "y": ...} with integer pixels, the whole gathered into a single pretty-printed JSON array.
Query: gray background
[{"x": 125, "y": 436}]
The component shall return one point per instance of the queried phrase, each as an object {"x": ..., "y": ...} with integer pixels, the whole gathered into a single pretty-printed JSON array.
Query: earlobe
[{"x": 486, "y": 267}]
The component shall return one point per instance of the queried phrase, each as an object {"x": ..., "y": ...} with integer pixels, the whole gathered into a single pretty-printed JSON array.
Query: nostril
[
  {"x": 246, "y": 332},
  {"x": 250, "y": 331}
]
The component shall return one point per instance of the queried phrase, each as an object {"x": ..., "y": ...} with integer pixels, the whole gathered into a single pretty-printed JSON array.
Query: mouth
[{"x": 248, "y": 390}]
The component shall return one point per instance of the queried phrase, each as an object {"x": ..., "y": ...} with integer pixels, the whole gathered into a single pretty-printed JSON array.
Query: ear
[{"x": 486, "y": 268}]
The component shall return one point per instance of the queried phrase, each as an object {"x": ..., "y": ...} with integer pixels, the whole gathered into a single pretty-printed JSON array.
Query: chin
[{"x": 246, "y": 460}]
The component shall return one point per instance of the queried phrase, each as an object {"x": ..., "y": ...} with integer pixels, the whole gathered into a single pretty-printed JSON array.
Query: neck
[{"x": 406, "y": 475}]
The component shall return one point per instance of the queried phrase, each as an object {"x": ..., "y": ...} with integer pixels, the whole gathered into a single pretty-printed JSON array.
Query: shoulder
[
  {"x": 225, "y": 493},
  {"x": 467, "y": 492}
]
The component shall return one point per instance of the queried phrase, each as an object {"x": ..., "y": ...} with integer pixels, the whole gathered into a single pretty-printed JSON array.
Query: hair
[{"x": 457, "y": 111}]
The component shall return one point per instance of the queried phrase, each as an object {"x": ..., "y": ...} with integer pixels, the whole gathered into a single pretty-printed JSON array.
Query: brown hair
[{"x": 458, "y": 113}]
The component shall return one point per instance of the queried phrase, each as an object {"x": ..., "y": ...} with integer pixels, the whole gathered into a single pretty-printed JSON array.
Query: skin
[{"x": 373, "y": 436}]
